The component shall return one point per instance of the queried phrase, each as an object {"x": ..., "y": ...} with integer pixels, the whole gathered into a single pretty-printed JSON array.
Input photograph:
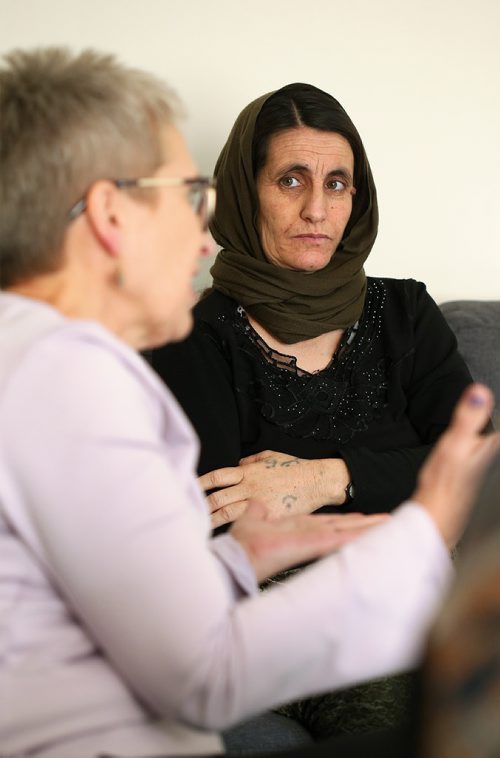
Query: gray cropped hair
[{"x": 67, "y": 120}]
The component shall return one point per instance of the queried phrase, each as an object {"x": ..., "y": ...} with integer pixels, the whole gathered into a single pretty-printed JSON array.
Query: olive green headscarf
[{"x": 291, "y": 305}]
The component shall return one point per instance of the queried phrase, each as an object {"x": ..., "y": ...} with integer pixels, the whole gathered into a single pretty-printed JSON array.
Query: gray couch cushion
[{"x": 476, "y": 324}]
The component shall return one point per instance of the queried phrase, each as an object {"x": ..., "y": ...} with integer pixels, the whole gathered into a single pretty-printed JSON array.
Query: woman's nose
[{"x": 315, "y": 204}]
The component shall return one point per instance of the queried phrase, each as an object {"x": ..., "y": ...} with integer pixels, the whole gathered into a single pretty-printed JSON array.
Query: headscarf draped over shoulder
[{"x": 291, "y": 305}]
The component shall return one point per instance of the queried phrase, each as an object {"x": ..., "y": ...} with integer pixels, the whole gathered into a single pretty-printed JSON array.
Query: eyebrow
[{"x": 300, "y": 168}]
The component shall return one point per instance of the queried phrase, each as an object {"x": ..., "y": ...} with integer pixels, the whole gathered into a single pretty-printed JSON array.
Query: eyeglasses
[{"x": 201, "y": 193}]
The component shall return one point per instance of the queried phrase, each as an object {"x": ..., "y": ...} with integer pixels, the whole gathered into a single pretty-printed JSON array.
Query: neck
[
  {"x": 68, "y": 291},
  {"x": 81, "y": 295},
  {"x": 311, "y": 355}
]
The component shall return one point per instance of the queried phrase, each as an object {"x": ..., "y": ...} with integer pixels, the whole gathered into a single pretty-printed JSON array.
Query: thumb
[{"x": 473, "y": 410}]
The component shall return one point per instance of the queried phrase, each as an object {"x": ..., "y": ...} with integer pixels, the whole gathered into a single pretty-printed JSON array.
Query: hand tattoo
[
  {"x": 270, "y": 462},
  {"x": 273, "y": 462},
  {"x": 290, "y": 463},
  {"x": 288, "y": 501}
]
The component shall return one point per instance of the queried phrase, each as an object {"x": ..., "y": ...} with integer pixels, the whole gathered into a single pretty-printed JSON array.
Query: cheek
[
  {"x": 339, "y": 219},
  {"x": 277, "y": 219},
  {"x": 270, "y": 236},
  {"x": 347, "y": 215},
  {"x": 165, "y": 265},
  {"x": 178, "y": 244}
]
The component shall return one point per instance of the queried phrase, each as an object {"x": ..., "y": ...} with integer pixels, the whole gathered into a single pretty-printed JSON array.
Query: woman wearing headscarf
[{"x": 310, "y": 384}]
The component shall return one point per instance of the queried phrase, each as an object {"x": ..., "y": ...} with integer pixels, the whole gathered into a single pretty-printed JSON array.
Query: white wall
[{"x": 420, "y": 79}]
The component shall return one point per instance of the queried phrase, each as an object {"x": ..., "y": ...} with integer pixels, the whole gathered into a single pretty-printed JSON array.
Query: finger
[
  {"x": 228, "y": 513},
  {"x": 343, "y": 537},
  {"x": 362, "y": 521},
  {"x": 472, "y": 411},
  {"x": 342, "y": 523},
  {"x": 225, "y": 498},
  {"x": 256, "y": 457},
  {"x": 221, "y": 477},
  {"x": 318, "y": 543}
]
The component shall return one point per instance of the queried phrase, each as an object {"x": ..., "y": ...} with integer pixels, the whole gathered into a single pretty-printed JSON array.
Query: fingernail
[{"x": 476, "y": 399}]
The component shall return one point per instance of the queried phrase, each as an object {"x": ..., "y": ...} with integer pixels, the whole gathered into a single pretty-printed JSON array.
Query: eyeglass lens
[{"x": 201, "y": 199}]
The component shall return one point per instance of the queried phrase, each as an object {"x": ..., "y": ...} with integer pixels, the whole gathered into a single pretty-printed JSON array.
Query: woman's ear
[{"x": 104, "y": 215}]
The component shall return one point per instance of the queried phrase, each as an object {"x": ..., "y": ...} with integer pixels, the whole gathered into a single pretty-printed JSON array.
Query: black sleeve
[
  {"x": 199, "y": 375},
  {"x": 383, "y": 480},
  {"x": 426, "y": 381}
]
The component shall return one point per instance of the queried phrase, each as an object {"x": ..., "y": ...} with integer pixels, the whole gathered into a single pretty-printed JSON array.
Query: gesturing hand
[
  {"x": 451, "y": 475},
  {"x": 275, "y": 545},
  {"x": 286, "y": 484}
]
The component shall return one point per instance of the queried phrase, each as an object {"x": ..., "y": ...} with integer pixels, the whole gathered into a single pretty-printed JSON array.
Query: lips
[
  {"x": 313, "y": 234},
  {"x": 317, "y": 237}
]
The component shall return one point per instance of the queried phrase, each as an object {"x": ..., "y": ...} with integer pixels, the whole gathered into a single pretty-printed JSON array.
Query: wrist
[
  {"x": 333, "y": 478},
  {"x": 349, "y": 493}
]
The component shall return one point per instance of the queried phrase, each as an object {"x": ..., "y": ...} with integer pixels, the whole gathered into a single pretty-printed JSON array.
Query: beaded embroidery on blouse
[{"x": 334, "y": 403}]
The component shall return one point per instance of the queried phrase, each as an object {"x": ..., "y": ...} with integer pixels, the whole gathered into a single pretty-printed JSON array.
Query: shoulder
[
  {"x": 214, "y": 317},
  {"x": 396, "y": 288},
  {"x": 214, "y": 307},
  {"x": 403, "y": 312},
  {"x": 412, "y": 317},
  {"x": 404, "y": 296},
  {"x": 84, "y": 373},
  {"x": 72, "y": 391}
]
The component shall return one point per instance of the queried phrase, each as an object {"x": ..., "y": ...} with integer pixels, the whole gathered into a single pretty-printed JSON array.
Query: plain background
[{"x": 419, "y": 78}]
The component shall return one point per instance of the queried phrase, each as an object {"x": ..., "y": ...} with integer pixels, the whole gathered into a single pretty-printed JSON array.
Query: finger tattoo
[
  {"x": 289, "y": 501},
  {"x": 270, "y": 462}
]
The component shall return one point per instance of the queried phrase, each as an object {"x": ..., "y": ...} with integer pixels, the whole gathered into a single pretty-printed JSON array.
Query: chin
[
  {"x": 181, "y": 328},
  {"x": 310, "y": 261},
  {"x": 312, "y": 264},
  {"x": 170, "y": 330}
]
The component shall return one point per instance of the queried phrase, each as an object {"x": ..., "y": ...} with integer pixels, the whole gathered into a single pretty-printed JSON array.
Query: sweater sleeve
[{"x": 426, "y": 382}]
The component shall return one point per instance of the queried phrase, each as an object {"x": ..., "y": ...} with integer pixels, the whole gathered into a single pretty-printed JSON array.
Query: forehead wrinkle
[
  {"x": 312, "y": 151},
  {"x": 304, "y": 168},
  {"x": 316, "y": 168}
]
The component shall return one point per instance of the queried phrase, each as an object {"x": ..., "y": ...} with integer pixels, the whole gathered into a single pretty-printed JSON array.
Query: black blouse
[{"x": 380, "y": 404}]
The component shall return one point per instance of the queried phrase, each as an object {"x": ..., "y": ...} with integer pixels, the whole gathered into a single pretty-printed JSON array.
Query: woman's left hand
[{"x": 284, "y": 483}]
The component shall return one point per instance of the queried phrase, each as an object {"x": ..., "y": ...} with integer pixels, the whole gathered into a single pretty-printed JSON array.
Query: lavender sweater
[{"x": 123, "y": 626}]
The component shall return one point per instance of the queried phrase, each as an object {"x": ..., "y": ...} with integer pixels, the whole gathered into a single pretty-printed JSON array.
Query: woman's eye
[
  {"x": 289, "y": 181},
  {"x": 336, "y": 185}
]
